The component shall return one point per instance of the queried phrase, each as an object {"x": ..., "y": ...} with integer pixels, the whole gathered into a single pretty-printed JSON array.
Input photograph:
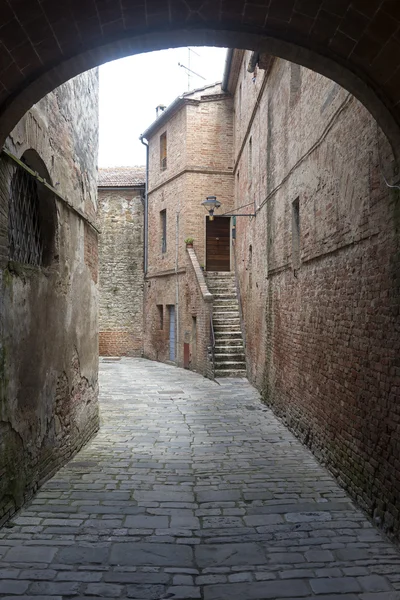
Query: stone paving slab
[{"x": 192, "y": 489}]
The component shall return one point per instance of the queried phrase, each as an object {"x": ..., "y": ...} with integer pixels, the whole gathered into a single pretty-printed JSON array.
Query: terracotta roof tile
[{"x": 121, "y": 176}]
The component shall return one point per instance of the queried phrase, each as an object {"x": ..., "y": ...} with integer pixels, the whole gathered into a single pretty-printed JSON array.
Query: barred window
[
  {"x": 25, "y": 238},
  {"x": 31, "y": 218}
]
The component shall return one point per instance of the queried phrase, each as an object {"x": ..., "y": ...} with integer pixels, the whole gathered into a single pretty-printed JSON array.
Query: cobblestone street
[{"x": 192, "y": 489}]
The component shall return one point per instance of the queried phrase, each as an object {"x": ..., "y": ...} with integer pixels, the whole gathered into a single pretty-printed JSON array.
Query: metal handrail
[{"x": 212, "y": 344}]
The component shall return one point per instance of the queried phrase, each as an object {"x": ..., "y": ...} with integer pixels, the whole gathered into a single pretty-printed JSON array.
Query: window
[
  {"x": 31, "y": 217},
  {"x": 250, "y": 267},
  {"x": 250, "y": 160},
  {"x": 160, "y": 309},
  {"x": 194, "y": 337},
  {"x": 163, "y": 151},
  {"x": 296, "y": 233},
  {"x": 163, "y": 228},
  {"x": 295, "y": 83}
]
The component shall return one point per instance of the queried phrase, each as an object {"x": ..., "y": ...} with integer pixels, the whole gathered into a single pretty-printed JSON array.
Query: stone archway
[{"x": 43, "y": 44}]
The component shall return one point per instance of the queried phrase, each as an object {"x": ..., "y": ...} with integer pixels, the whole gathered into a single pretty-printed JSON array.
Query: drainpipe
[
  {"x": 146, "y": 206},
  {"x": 254, "y": 58},
  {"x": 177, "y": 324},
  {"x": 227, "y": 70}
]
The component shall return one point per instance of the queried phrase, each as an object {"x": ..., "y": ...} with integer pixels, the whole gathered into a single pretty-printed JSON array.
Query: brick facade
[
  {"x": 199, "y": 132},
  {"x": 316, "y": 267},
  {"x": 121, "y": 214},
  {"x": 320, "y": 290}
]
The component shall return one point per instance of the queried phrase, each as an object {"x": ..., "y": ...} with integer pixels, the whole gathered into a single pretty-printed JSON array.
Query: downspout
[
  {"x": 146, "y": 207},
  {"x": 227, "y": 70},
  {"x": 177, "y": 324}
]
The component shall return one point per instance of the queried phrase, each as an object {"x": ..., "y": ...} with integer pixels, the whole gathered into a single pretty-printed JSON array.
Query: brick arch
[{"x": 356, "y": 43}]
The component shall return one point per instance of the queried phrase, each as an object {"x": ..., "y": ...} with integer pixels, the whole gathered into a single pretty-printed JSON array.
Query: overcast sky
[{"x": 131, "y": 88}]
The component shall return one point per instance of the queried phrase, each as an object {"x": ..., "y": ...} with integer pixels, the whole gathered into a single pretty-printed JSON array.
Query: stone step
[
  {"x": 228, "y": 335},
  {"x": 230, "y": 364},
  {"x": 221, "y": 359},
  {"x": 220, "y": 282},
  {"x": 224, "y": 314},
  {"x": 223, "y": 294},
  {"x": 229, "y": 325},
  {"x": 226, "y": 303},
  {"x": 230, "y": 373},
  {"x": 224, "y": 297},
  {"x": 228, "y": 328},
  {"x": 229, "y": 348},
  {"x": 219, "y": 285},
  {"x": 216, "y": 282}
]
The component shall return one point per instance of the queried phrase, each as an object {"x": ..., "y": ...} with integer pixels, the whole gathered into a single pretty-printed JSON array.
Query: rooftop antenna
[{"x": 189, "y": 71}]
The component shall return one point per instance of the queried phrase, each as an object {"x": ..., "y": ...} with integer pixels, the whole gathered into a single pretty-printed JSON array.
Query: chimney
[{"x": 160, "y": 109}]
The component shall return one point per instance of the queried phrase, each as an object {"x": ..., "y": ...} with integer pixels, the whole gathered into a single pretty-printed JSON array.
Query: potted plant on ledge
[{"x": 189, "y": 242}]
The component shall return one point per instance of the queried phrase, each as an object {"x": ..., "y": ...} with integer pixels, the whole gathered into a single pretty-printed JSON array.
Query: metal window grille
[{"x": 25, "y": 239}]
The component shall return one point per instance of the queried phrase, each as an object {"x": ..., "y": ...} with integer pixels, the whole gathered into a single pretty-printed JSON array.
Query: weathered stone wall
[
  {"x": 121, "y": 272},
  {"x": 199, "y": 164},
  {"x": 48, "y": 315},
  {"x": 322, "y": 317}
]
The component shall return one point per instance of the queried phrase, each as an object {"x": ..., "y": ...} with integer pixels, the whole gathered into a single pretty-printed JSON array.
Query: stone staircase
[{"x": 229, "y": 348}]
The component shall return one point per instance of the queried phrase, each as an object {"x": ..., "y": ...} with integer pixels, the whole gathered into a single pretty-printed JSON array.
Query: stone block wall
[
  {"x": 321, "y": 296},
  {"x": 48, "y": 314},
  {"x": 121, "y": 214}
]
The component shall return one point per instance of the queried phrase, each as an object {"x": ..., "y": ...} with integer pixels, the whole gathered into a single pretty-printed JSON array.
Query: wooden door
[{"x": 218, "y": 247}]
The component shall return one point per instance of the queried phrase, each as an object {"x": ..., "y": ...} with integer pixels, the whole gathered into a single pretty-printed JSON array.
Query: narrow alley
[{"x": 192, "y": 489}]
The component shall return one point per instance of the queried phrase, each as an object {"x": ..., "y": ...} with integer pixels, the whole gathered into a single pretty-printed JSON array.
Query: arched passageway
[{"x": 355, "y": 43}]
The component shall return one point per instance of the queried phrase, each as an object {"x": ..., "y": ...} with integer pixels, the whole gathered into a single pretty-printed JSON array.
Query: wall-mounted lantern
[{"x": 211, "y": 204}]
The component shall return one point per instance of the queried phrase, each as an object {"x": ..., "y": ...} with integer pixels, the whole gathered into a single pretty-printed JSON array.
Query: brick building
[
  {"x": 121, "y": 212},
  {"x": 190, "y": 155},
  {"x": 316, "y": 268}
]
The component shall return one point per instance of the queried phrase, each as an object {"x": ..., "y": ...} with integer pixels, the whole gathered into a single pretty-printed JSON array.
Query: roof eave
[
  {"x": 163, "y": 118},
  {"x": 110, "y": 186}
]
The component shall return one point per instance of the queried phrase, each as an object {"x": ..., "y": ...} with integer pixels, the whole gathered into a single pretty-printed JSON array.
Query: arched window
[{"x": 31, "y": 215}]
